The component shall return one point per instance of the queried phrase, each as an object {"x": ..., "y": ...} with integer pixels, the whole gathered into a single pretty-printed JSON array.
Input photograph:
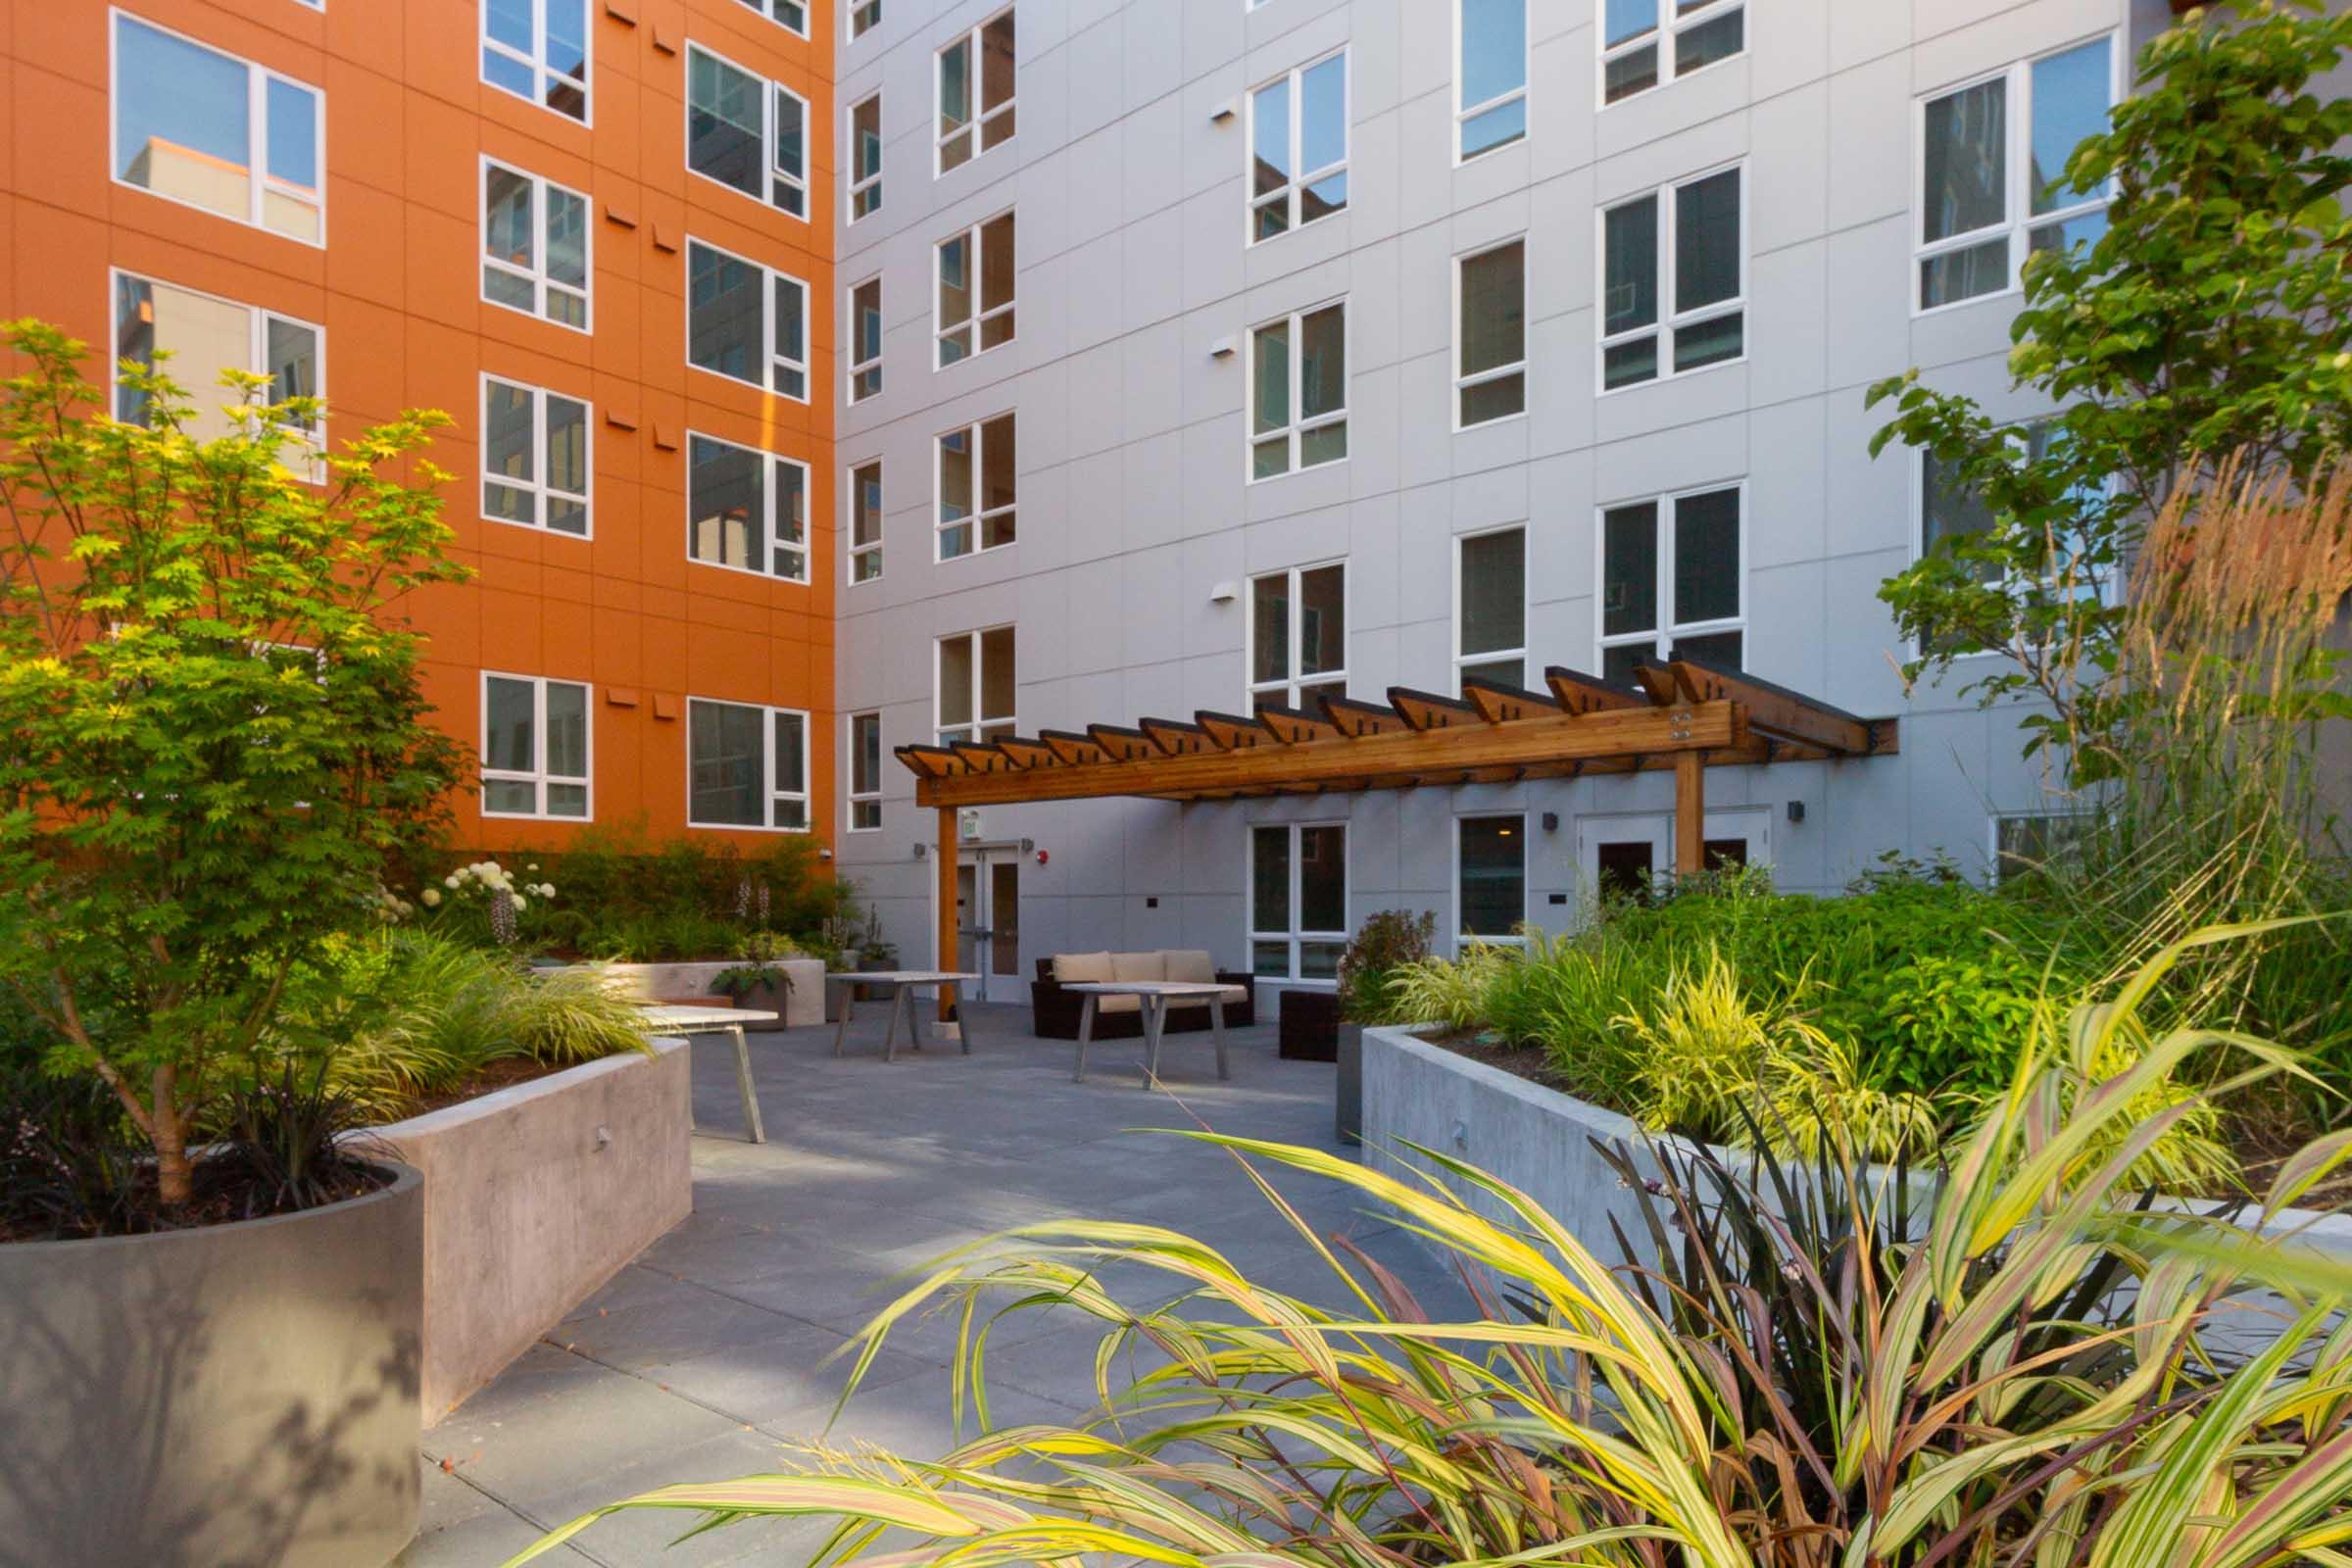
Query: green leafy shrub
[{"x": 1384, "y": 944}]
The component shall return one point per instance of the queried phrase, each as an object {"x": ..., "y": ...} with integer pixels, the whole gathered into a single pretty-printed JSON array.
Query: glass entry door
[
  {"x": 988, "y": 922},
  {"x": 1618, "y": 856}
]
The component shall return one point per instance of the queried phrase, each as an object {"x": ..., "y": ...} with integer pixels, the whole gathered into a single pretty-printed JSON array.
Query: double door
[
  {"x": 988, "y": 922},
  {"x": 1617, "y": 856}
]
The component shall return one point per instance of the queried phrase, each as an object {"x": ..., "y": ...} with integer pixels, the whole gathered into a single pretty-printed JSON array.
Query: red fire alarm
[{"x": 1041, "y": 857}]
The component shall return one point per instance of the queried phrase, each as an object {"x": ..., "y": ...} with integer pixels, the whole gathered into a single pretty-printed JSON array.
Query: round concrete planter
[{"x": 240, "y": 1393}]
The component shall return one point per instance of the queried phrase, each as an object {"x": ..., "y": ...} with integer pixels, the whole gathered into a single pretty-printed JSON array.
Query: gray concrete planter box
[
  {"x": 534, "y": 1197},
  {"x": 239, "y": 1394},
  {"x": 805, "y": 1006}
]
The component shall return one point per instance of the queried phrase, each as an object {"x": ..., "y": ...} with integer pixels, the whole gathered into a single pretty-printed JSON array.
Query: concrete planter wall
[
  {"x": 239, "y": 1394},
  {"x": 1540, "y": 1140},
  {"x": 691, "y": 982},
  {"x": 536, "y": 1195}
]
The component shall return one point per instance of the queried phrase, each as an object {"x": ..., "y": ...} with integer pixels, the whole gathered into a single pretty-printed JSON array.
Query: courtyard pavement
[{"x": 706, "y": 1359}]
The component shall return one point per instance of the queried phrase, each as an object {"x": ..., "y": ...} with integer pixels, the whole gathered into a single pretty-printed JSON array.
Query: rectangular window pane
[
  {"x": 723, "y": 312},
  {"x": 1967, "y": 148},
  {"x": 1323, "y": 878},
  {"x": 567, "y": 464},
  {"x": 957, "y": 484},
  {"x": 1323, "y": 115},
  {"x": 1270, "y": 959},
  {"x": 1623, "y": 20},
  {"x": 865, "y": 513},
  {"x": 1495, "y": 592},
  {"x": 1000, "y": 469},
  {"x": 1709, "y": 41},
  {"x": 509, "y": 710},
  {"x": 1323, "y": 362},
  {"x": 1964, "y": 275},
  {"x": 1721, "y": 648},
  {"x": 2069, "y": 103},
  {"x": 791, "y": 768},
  {"x": 1493, "y": 324},
  {"x": 1710, "y": 342},
  {"x": 865, "y": 753},
  {"x": 1270, "y": 138},
  {"x": 1271, "y": 880},
  {"x": 1630, "y": 569},
  {"x": 1492, "y": 895},
  {"x": 1493, "y": 50},
  {"x": 725, "y": 507},
  {"x": 567, "y": 729},
  {"x": 181, "y": 119},
  {"x": 727, "y": 764},
  {"x": 1706, "y": 557},
  {"x": 995, "y": 675},
  {"x": 1635, "y": 70},
  {"x": 724, "y": 125},
  {"x": 508, "y": 441},
  {"x": 1270, "y": 628},
  {"x": 1322, "y": 622},
  {"x": 1630, "y": 284},
  {"x": 955, "y": 685},
  {"x": 1706, "y": 241}
]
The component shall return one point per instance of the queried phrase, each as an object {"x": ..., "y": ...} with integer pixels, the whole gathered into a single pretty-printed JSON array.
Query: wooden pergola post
[
  {"x": 946, "y": 906},
  {"x": 1689, "y": 813}
]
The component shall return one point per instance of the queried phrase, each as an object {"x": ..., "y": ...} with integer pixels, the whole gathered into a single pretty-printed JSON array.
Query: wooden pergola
[{"x": 1684, "y": 715}]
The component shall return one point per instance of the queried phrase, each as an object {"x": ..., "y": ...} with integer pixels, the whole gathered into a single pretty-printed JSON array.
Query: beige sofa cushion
[
  {"x": 1105, "y": 1004},
  {"x": 1230, "y": 994},
  {"x": 1192, "y": 966},
  {"x": 1075, "y": 969},
  {"x": 1138, "y": 967}
]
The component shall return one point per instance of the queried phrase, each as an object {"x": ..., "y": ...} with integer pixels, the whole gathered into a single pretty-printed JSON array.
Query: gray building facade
[{"x": 1548, "y": 323}]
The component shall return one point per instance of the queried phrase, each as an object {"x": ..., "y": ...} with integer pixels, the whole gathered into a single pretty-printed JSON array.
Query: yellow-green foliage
[{"x": 1448, "y": 990}]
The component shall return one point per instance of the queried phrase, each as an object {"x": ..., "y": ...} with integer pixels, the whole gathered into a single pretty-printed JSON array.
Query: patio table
[
  {"x": 899, "y": 983},
  {"x": 691, "y": 1020},
  {"x": 1155, "y": 995}
]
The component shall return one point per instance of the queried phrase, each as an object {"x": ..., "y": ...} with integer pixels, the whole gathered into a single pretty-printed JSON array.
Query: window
[
  {"x": 975, "y": 289},
  {"x": 865, "y": 156},
  {"x": 205, "y": 336},
  {"x": 534, "y": 246},
  {"x": 865, "y": 521},
  {"x": 1672, "y": 269},
  {"x": 746, "y": 132},
  {"x": 1489, "y": 886},
  {"x": 968, "y": 127},
  {"x": 1299, "y": 148},
  {"x": 1298, "y": 900},
  {"x": 535, "y": 463},
  {"x": 534, "y": 747},
  {"x": 1490, "y": 338},
  {"x": 1645, "y": 42},
  {"x": 746, "y": 767},
  {"x": 1490, "y": 620},
  {"x": 865, "y": 17},
  {"x": 976, "y": 481},
  {"x": 1671, "y": 576},
  {"x": 1950, "y": 512},
  {"x": 974, "y": 688},
  {"x": 745, "y": 509},
  {"x": 199, "y": 126},
  {"x": 1297, "y": 636},
  {"x": 538, "y": 49},
  {"x": 1992, "y": 180},
  {"x": 1490, "y": 76},
  {"x": 1299, "y": 392},
  {"x": 865, "y": 340},
  {"x": 2027, "y": 842},
  {"x": 793, "y": 14},
  {"x": 865, "y": 772},
  {"x": 745, "y": 322}
]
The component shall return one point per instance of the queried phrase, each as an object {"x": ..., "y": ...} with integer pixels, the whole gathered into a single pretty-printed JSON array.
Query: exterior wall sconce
[
  {"x": 921, "y": 849},
  {"x": 1552, "y": 822},
  {"x": 1796, "y": 811},
  {"x": 1225, "y": 593}
]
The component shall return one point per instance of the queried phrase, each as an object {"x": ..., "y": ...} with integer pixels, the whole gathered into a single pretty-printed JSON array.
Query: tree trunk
[{"x": 174, "y": 1176}]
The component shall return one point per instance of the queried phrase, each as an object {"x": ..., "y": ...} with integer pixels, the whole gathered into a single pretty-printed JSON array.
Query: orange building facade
[{"x": 440, "y": 204}]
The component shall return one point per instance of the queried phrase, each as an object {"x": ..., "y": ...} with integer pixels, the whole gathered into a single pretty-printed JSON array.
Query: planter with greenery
[
  {"x": 1383, "y": 944},
  {"x": 763, "y": 979}
]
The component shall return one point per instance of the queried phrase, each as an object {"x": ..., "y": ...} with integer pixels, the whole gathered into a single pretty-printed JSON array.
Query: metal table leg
[
  {"x": 1216, "y": 1022},
  {"x": 890, "y": 1032},
  {"x": 743, "y": 1078},
  {"x": 1086, "y": 1033},
  {"x": 840, "y": 1030},
  {"x": 1156, "y": 1019},
  {"x": 963, "y": 1019}
]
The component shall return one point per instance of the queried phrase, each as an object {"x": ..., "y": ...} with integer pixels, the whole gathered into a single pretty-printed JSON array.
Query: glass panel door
[{"x": 988, "y": 922}]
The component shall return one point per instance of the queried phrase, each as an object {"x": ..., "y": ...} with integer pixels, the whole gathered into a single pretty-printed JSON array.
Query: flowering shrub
[{"x": 482, "y": 902}]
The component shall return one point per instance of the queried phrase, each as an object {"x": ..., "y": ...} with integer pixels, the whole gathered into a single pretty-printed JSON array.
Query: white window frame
[
  {"x": 2110, "y": 587},
  {"x": 258, "y": 183},
  {"x": 853, "y": 185},
  {"x": 1670, "y": 323},
  {"x": 865, "y": 17},
  {"x": 1995, "y": 820},
  {"x": 1462, "y": 382},
  {"x": 536, "y": 61},
  {"x": 1493, "y": 656},
  {"x": 540, "y": 777},
  {"x": 1526, "y": 880},
  {"x": 1287, "y": 688},
  {"x": 1298, "y": 935},
  {"x": 536, "y": 275},
  {"x": 856, "y": 550},
  {"x": 980, "y": 316},
  {"x": 979, "y": 516},
  {"x": 771, "y": 790},
  {"x": 771, "y": 281},
  {"x": 975, "y": 127},
  {"x": 1293, "y": 189},
  {"x": 980, "y": 722},
  {"x": 766, "y": 9},
  {"x": 858, "y": 367},
  {"x": 2017, "y": 222},
  {"x": 257, "y": 353},
  {"x": 1663, "y": 635},
  {"x": 854, "y": 795},
  {"x": 1293, "y": 433},
  {"x": 1463, "y": 112},
  {"x": 1663, "y": 35},
  {"x": 772, "y": 176},
  {"x": 540, "y": 487},
  {"x": 772, "y": 497}
]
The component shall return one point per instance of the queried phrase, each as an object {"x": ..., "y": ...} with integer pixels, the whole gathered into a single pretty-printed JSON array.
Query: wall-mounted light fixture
[
  {"x": 921, "y": 849},
  {"x": 1796, "y": 811},
  {"x": 1552, "y": 822},
  {"x": 1223, "y": 110},
  {"x": 1221, "y": 348},
  {"x": 1225, "y": 593}
]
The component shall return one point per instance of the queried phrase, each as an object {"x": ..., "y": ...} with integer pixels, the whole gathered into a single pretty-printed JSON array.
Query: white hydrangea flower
[
  {"x": 519, "y": 904},
  {"x": 449, "y": 881},
  {"x": 432, "y": 896},
  {"x": 547, "y": 890}
]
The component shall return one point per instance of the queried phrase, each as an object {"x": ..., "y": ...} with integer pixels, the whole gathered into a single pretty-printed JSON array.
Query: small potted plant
[
  {"x": 1385, "y": 943},
  {"x": 760, "y": 980}
]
